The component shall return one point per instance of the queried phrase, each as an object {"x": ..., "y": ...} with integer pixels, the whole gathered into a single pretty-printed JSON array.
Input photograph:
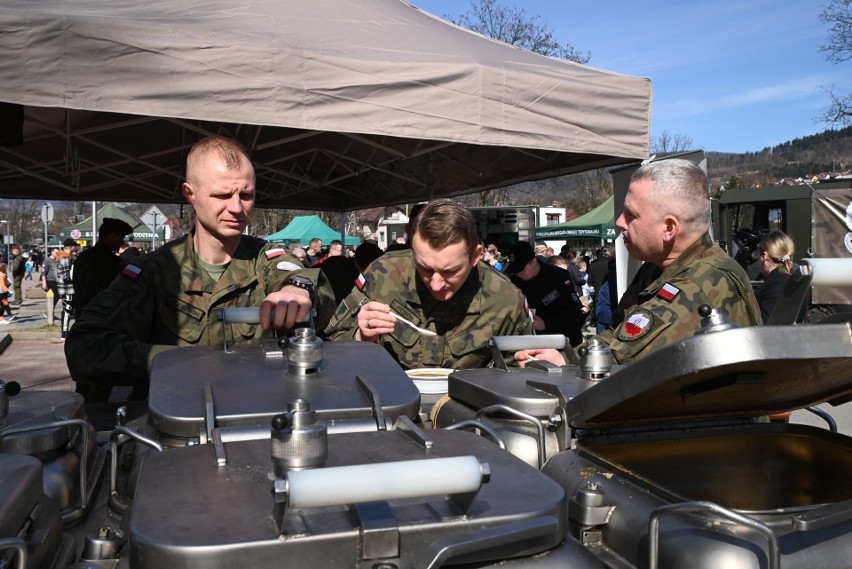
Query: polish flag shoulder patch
[
  {"x": 272, "y": 253},
  {"x": 636, "y": 326},
  {"x": 668, "y": 292},
  {"x": 131, "y": 271},
  {"x": 360, "y": 281}
]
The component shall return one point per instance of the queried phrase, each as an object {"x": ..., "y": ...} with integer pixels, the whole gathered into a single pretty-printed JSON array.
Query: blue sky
[{"x": 733, "y": 75}]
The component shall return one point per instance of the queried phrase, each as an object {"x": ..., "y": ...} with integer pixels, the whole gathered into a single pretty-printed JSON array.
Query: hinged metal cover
[
  {"x": 229, "y": 509},
  {"x": 738, "y": 372},
  {"x": 30, "y": 408},
  {"x": 480, "y": 388},
  {"x": 248, "y": 388}
]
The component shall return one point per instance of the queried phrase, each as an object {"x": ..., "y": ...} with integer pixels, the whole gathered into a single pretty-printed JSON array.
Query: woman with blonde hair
[{"x": 776, "y": 262}]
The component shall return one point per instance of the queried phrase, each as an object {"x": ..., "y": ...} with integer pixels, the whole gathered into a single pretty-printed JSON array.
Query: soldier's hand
[
  {"x": 285, "y": 308},
  {"x": 374, "y": 319},
  {"x": 549, "y": 355}
]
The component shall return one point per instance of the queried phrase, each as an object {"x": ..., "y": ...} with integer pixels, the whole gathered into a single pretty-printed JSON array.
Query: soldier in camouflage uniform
[
  {"x": 665, "y": 221},
  {"x": 173, "y": 296},
  {"x": 439, "y": 284}
]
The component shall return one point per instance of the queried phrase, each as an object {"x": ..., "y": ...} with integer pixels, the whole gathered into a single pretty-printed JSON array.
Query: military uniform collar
[
  {"x": 198, "y": 280},
  {"x": 689, "y": 257}
]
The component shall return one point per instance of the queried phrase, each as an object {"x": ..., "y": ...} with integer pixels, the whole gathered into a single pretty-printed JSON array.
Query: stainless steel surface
[
  {"x": 298, "y": 440},
  {"x": 355, "y": 380},
  {"x": 738, "y": 372},
  {"x": 519, "y": 512},
  {"x": 683, "y": 427}
]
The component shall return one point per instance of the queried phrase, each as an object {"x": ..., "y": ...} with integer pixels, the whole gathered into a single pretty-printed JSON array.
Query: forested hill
[{"x": 818, "y": 155}]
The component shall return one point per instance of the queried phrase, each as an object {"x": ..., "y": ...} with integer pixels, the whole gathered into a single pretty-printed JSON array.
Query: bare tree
[
  {"x": 512, "y": 25},
  {"x": 838, "y": 49},
  {"x": 671, "y": 143}
]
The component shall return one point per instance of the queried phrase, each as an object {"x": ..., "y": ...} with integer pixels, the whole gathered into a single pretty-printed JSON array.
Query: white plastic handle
[
  {"x": 342, "y": 485},
  {"x": 830, "y": 272},
  {"x": 517, "y": 343},
  {"x": 248, "y": 315}
]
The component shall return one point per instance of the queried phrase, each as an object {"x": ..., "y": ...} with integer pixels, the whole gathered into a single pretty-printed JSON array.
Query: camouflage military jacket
[
  {"x": 667, "y": 310},
  {"x": 167, "y": 299},
  {"x": 486, "y": 305}
]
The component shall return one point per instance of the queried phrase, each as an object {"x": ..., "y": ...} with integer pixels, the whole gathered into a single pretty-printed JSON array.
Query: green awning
[{"x": 596, "y": 224}]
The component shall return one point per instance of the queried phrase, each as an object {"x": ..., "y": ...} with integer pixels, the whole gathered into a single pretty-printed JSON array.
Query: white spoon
[{"x": 423, "y": 331}]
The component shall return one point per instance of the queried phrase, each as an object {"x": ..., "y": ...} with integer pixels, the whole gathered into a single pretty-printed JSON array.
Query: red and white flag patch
[
  {"x": 272, "y": 253},
  {"x": 131, "y": 271},
  {"x": 360, "y": 281},
  {"x": 668, "y": 292}
]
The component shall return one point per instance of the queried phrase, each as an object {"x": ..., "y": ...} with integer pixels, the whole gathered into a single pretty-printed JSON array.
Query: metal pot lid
[
  {"x": 248, "y": 389},
  {"x": 531, "y": 391},
  {"x": 737, "y": 372},
  {"x": 29, "y": 410}
]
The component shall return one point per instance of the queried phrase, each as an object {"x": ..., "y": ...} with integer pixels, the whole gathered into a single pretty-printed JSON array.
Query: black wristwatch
[{"x": 301, "y": 282}]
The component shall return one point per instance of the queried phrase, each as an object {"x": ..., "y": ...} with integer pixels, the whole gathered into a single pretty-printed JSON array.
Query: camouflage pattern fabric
[
  {"x": 167, "y": 299},
  {"x": 667, "y": 310},
  {"x": 486, "y": 305}
]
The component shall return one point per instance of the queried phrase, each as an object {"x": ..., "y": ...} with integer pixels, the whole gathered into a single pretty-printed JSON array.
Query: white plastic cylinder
[
  {"x": 247, "y": 315},
  {"x": 830, "y": 272},
  {"x": 517, "y": 343},
  {"x": 342, "y": 485}
]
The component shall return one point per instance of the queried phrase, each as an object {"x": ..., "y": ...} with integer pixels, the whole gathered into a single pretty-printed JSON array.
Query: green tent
[
  {"x": 83, "y": 231},
  {"x": 597, "y": 224},
  {"x": 303, "y": 228}
]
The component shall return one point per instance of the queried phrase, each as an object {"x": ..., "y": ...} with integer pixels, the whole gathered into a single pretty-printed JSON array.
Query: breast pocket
[
  {"x": 183, "y": 321},
  {"x": 470, "y": 347}
]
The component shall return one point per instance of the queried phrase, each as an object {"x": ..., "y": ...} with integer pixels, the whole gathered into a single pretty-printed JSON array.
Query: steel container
[
  {"x": 671, "y": 462},
  {"x": 51, "y": 426}
]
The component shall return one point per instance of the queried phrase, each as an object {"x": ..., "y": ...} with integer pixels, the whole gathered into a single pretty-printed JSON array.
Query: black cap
[
  {"x": 520, "y": 254},
  {"x": 112, "y": 225},
  {"x": 69, "y": 243}
]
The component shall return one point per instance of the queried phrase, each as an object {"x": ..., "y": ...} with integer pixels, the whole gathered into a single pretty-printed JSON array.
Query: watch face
[{"x": 302, "y": 282}]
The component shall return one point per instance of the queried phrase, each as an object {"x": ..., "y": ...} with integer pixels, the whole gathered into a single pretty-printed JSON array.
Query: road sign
[
  {"x": 47, "y": 212},
  {"x": 153, "y": 218}
]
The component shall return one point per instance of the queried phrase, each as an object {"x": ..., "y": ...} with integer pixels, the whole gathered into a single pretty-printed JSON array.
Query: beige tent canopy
[{"x": 344, "y": 104}]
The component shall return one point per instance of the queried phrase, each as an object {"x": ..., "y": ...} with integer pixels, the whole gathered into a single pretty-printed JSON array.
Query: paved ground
[{"x": 33, "y": 354}]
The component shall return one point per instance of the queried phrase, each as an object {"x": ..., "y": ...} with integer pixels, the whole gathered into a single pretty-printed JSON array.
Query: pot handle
[{"x": 704, "y": 507}]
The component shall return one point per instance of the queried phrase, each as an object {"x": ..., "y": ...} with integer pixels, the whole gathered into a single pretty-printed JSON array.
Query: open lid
[{"x": 737, "y": 372}]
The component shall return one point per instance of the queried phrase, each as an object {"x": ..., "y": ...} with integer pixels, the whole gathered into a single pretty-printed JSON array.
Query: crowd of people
[{"x": 457, "y": 291}]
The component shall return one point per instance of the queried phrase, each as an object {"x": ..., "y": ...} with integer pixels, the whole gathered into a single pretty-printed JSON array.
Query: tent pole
[
  {"x": 343, "y": 230},
  {"x": 94, "y": 223}
]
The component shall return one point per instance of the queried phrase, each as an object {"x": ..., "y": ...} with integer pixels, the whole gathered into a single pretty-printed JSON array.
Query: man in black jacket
[{"x": 549, "y": 291}]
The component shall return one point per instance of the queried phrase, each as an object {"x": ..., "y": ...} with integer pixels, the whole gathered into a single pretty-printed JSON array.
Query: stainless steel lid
[
  {"x": 248, "y": 389},
  {"x": 29, "y": 409},
  {"x": 519, "y": 511},
  {"x": 737, "y": 372},
  {"x": 531, "y": 391}
]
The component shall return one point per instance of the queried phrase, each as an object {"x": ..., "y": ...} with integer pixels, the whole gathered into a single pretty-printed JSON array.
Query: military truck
[
  {"x": 817, "y": 216},
  {"x": 508, "y": 224}
]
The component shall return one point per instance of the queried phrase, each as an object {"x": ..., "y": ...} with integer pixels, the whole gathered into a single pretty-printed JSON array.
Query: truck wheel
[{"x": 817, "y": 312}]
